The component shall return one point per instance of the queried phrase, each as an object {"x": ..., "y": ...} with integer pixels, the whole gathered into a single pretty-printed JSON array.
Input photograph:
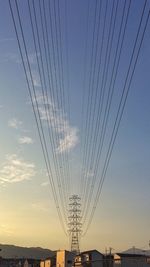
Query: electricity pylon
[{"x": 75, "y": 222}]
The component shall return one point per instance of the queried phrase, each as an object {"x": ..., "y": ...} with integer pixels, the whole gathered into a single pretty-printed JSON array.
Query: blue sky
[{"x": 122, "y": 216}]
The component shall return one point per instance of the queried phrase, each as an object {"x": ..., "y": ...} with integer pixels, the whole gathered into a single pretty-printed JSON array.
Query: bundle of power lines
[{"x": 104, "y": 98}]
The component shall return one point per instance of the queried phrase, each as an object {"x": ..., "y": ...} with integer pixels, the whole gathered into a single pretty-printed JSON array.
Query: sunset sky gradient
[{"x": 28, "y": 216}]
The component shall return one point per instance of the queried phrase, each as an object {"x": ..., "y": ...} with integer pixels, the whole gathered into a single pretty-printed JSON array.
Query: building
[
  {"x": 91, "y": 258},
  {"x": 132, "y": 258},
  {"x": 49, "y": 262},
  {"x": 46, "y": 263},
  {"x": 6, "y": 262},
  {"x": 63, "y": 258},
  {"x": 31, "y": 263}
]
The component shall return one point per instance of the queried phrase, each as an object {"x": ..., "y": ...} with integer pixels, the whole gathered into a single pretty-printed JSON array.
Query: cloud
[
  {"x": 69, "y": 141},
  {"x": 45, "y": 183},
  {"x": 5, "y": 229},
  {"x": 36, "y": 79},
  {"x": 89, "y": 174},
  {"x": 25, "y": 140},
  {"x": 11, "y": 57},
  {"x": 14, "y": 123},
  {"x": 15, "y": 169},
  {"x": 39, "y": 207},
  {"x": 67, "y": 134},
  {"x": 33, "y": 58},
  {"x": 14, "y": 57}
]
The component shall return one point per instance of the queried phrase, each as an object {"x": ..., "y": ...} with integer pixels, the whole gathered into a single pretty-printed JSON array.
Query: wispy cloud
[
  {"x": 14, "y": 123},
  {"x": 25, "y": 140},
  {"x": 11, "y": 57},
  {"x": 67, "y": 134},
  {"x": 36, "y": 78},
  {"x": 5, "y": 229},
  {"x": 39, "y": 207},
  {"x": 69, "y": 141},
  {"x": 16, "y": 169},
  {"x": 33, "y": 58},
  {"x": 45, "y": 183},
  {"x": 15, "y": 57},
  {"x": 89, "y": 174}
]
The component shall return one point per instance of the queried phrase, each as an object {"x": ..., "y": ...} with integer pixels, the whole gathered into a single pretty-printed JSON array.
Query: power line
[
  {"x": 109, "y": 27},
  {"x": 96, "y": 163},
  {"x": 34, "y": 98},
  {"x": 121, "y": 108},
  {"x": 51, "y": 90}
]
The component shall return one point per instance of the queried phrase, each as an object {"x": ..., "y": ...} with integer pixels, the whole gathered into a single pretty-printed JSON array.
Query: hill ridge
[{"x": 14, "y": 251}]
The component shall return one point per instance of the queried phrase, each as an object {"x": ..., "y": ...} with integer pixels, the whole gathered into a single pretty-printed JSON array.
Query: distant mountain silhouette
[
  {"x": 11, "y": 251},
  {"x": 137, "y": 251}
]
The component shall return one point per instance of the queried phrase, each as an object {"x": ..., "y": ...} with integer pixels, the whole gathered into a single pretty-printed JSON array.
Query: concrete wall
[
  {"x": 132, "y": 262},
  {"x": 97, "y": 259},
  {"x": 64, "y": 258}
]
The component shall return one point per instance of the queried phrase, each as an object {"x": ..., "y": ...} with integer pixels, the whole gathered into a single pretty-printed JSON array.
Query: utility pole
[
  {"x": 75, "y": 222},
  {"x": 110, "y": 250}
]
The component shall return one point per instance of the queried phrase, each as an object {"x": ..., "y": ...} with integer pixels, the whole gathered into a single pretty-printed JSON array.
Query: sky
[{"x": 28, "y": 215}]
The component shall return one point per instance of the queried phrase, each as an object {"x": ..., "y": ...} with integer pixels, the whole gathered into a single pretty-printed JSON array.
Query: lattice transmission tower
[{"x": 75, "y": 224}]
